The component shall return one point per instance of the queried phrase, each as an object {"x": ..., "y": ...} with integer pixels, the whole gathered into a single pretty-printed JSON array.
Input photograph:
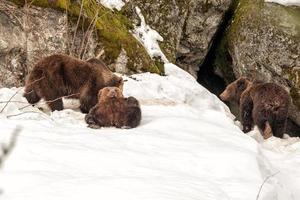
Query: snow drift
[
  {"x": 187, "y": 147},
  {"x": 286, "y": 2}
]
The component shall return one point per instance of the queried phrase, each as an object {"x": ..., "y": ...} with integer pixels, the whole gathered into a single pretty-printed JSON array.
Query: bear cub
[
  {"x": 60, "y": 75},
  {"x": 262, "y": 104},
  {"x": 113, "y": 109}
]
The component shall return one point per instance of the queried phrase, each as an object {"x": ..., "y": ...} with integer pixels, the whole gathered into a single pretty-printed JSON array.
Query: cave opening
[{"x": 215, "y": 72}]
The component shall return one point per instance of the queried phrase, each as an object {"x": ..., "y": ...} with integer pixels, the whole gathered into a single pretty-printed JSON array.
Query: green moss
[
  {"x": 244, "y": 9},
  {"x": 293, "y": 75},
  {"x": 113, "y": 29},
  {"x": 295, "y": 96}
]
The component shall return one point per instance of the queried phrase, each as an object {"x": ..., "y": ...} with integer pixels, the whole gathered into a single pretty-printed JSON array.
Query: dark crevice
[{"x": 207, "y": 75}]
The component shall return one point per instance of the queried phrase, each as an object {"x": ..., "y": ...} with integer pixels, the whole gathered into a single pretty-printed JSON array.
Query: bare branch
[
  {"x": 6, "y": 149},
  {"x": 45, "y": 102},
  {"x": 87, "y": 34},
  {"x": 10, "y": 99},
  {"x": 266, "y": 179},
  {"x": 18, "y": 92},
  {"x": 14, "y": 102},
  {"x": 26, "y": 112},
  {"x": 77, "y": 25},
  {"x": 100, "y": 54}
]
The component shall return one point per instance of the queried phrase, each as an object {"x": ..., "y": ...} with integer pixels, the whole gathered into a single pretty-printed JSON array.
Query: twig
[
  {"x": 18, "y": 92},
  {"x": 266, "y": 179},
  {"x": 87, "y": 34},
  {"x": 50, "y": 101},
  {"x": 26, "y": 29},
  {"x": 77, "y": 25},
  {"x": 68, "y": 29},
  {"x": 100, "y": 54},
  {"x": 25, "y": 106},
  {"x": 10, "y": 99},
  {"x": 33, "y": 83},
  {"x": 6, "y": 149},
  {"x": 14, "y": 102},
  {"x": 7, "y": 8},
  {"x": 22, "y": 113}
]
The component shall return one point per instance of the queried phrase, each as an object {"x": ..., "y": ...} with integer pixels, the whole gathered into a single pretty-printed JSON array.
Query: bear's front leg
[
  {"x": 91, "y": 121},
  {"x": 94, "y": 118},
  {"x": 246, "y": 107},
  {"x": 88, "y": 98}
]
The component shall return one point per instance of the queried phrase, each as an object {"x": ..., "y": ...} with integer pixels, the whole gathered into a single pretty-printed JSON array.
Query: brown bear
[
  {"x": 60, "y": 75},
  {"x": 263, "y": 104},
  {"x": 113, "y": 109},
  {"x": 132, "y": 115}
]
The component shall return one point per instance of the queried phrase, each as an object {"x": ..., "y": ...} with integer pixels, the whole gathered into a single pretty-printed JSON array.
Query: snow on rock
[
  {"x": 111, "y": 4},
  {"x": 148, "y": 38},
  {"x": 187, "y": 147},
  {"x": 285, "y": 2}
]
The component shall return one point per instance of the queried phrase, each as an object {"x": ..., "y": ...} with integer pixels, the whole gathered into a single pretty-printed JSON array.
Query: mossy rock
[
  {"x": 264, "y": 43},
  {"x": 166, "y": 16},
  {"x": 113, "y": 30}
]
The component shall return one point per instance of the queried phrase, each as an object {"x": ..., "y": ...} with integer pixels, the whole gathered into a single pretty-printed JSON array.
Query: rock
[
  {"x": 166, "y": 17},
  {"x": 12, "y": 43},
  {"x": 187, "y": 27},
  {"x": 201, "y": 24},
  {"x": 27, "y": 35},
  {"x": 264, "y": 43}
]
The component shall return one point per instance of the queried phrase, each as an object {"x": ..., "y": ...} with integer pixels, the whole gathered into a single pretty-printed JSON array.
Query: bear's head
[
  {"x": 132, "y": 102},
  {"x": 116, "y": 81},
  {"x": 235, "y": 89},
  {"x": 110, "y": 94}
]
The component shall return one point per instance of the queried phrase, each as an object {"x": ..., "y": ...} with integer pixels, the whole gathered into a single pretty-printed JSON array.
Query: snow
[
  {"x": 187, "y": 147},
  {"x": 285, "y": 2},
  {"x": 113, "y": 4},
  {"x": 149, "y": 38}
]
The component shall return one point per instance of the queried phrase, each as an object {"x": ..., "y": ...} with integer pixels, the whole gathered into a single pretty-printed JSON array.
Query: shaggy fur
[
  {"x": 113, "y": 109},
  {"x": 263, "y": 104},
  {"x": 61, "y": 75}
]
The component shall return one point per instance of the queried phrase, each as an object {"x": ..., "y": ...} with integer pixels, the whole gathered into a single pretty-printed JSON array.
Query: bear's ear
[
  {"x": 99, "y": 94},
  {"x": 241, "y": 84},
  {"x": 120, "y": 81},
  {"x": 120, "y": 84}
]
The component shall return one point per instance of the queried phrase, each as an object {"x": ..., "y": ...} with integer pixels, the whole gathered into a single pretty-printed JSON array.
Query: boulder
[
  {"x": 31, "y": 31},
  {"x": 28, "y": 34},
  {"x": 188, "y": 27},
  {"x": 264, "y": 43}
]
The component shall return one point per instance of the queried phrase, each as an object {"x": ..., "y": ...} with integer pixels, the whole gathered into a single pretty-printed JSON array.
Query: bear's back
[{"x": 270, "y": 94}]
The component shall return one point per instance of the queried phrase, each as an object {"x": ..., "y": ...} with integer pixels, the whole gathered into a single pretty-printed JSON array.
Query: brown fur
[
  {"x": 263, "y": 104},
  {"x": 61, "y": 75},
  {"x": 132, "y": 115},
  {"x": 113, "y": 109}
]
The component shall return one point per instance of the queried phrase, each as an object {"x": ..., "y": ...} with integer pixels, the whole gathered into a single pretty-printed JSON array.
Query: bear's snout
[
  {"x": 224, "y": 96},
  {"x": 112, "y": 94}
]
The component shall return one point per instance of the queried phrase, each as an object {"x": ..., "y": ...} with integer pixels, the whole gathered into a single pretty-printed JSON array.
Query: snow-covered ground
[
  {"x": 113, "y": 4},
  {"x": 187, "y": 147},
  {"x": 286, "y": 2}
]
